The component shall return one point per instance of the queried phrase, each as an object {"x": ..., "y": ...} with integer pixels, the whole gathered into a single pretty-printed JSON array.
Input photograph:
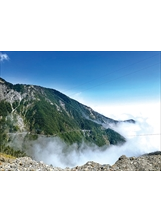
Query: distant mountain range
[{"x": 31, "y": 111}]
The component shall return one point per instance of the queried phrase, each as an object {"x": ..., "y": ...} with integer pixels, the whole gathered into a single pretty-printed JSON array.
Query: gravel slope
[{"x": 147, "y": 162}]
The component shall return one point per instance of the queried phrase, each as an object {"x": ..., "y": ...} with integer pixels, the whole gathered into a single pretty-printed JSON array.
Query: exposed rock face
[
  {"x": 147, "y": 162},
  {"x": 41, "y": 111}
]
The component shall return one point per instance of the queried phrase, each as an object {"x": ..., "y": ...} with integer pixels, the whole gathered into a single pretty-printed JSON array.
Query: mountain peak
[{"x": 31, "y": 112}]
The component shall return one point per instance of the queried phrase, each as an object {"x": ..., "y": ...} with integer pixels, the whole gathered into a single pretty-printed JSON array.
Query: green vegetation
[
  {"x": 19, "y": 88},
  {"x": 10, "y": 151},
  {"x": 3, "y": 140},
  {"x": 6, "y": 156},
  {"x": 45, "y": 119},
  {"x": 5, "y": 108},
  {"x": 114, "y": 137},
  {"x": 51, "y": 113},
  {"x": 3, "y": 135}
]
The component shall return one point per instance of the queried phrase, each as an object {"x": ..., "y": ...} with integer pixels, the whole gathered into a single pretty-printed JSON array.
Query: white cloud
[
  {"x": 3, "y": 56},
  {"x": 123, "y": 111},
  {"x": 140, "y": 138}
]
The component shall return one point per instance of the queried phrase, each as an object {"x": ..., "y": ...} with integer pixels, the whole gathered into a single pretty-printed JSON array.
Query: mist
[{"x": 142, "y": 137}]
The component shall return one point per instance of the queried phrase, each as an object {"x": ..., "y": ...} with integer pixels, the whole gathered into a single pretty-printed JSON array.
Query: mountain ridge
[{"x": 40, "y": 111}]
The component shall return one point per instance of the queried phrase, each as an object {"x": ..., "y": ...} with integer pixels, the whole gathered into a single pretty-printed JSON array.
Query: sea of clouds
[{"x": 142, "y": 137}]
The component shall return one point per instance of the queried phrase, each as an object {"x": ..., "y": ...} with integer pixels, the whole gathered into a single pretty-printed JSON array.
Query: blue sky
[
  {"x": 120, "y": 85},
  {"x": 88, "y": 76}
]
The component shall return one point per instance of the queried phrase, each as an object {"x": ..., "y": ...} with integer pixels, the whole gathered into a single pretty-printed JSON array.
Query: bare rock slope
[{"x": 147, "y": 162}]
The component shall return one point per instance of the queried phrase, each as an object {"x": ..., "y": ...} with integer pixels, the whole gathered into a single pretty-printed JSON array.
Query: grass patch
[{"x": 4, "y": 155}]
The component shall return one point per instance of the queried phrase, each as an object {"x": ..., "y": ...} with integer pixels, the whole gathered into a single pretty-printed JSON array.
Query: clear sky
[{"x": 91, "y": 77}]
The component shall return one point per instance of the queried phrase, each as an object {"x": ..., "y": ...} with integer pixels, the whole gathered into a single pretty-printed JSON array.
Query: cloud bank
[{"x": 141, "y": 137}]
